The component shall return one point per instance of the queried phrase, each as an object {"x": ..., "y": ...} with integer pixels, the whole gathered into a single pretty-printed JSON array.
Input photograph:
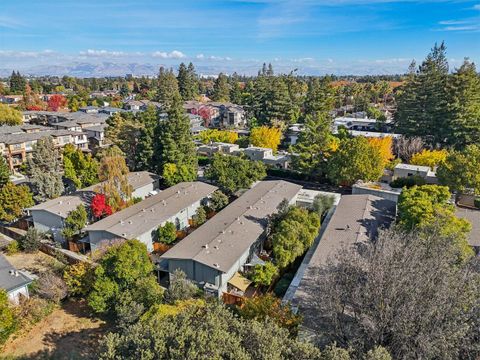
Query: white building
[{"x": 14, "y": 282}]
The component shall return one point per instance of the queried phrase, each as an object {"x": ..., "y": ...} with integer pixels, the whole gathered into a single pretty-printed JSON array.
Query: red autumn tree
[
  {"x": 56, "y": 102},
  {"x": 100, "y": 207}
]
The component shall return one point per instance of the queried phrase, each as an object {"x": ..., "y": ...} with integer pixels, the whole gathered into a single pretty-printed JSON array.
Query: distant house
[
  {"x": 17, "y": 146},
  {"x": 217, "y": 147},
  {"x": 11, "y": 99},
  {"x": 89, "y": 109},
  {"x": 265, "y": 155},
  {"x": 213, "y": 254},
  {"x": 110, "y": 110},
  {"x": 355, "y": 221},
  {"x": 50, "y": 215},
  {"x": 408, "y": 170},
  {"x": 176, "y": 204},
  {"x": 96, "y": 137},
  {"x": 14, "y": 282}
]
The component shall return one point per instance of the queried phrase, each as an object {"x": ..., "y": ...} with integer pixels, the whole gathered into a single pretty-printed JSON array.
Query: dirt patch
[
  {"x": 35, "y": 263},
  {"x": 67, "y": 333}
]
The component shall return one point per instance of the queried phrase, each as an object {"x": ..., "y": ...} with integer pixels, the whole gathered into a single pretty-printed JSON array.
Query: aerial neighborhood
[{"x": 274, "y": 216}]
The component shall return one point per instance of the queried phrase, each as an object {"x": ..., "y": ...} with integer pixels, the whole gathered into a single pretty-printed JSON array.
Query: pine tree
[
  {"x": 167, "y": 87},
  {"x": 314, "y": 145},
  {"x": 319, "y": 97},
  {"x": 44, "y": 169},
  {"x": 278, "y": 106},
  {"x": 423, "y": 103},
  {"x": 145, "y": 147},
  {"x": 192, "y": 81},
  {"x": 175, "y": 156},
  {"x": 221, "y": 88},
  {"x": 464, "y": 99},
  {"x": 17, "y": 83},
  {"x": 183, "y": 82}
]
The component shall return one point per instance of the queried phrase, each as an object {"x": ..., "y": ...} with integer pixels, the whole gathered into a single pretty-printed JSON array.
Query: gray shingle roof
[
  {"x": 236, "y": 228},
  {"x": 23, "y": 137},
  {"x": 357, "y": 219},
  {"x": 153, "y": 211},
  {"x": 62, "y": 205},
  {"x": 10, "y": 281}
]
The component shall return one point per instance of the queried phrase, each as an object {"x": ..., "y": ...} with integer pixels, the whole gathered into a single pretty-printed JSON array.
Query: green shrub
[
  {"x": 167, "y": 233},
  {"x": 7, "y": 317},
  {"x": 408, "y": 182},
  {"x": 31, "y": 241},
  {"x": 13, "y": 248},
  {"x": 264, "y": 274},
  {"x": 476, "y": 202}
]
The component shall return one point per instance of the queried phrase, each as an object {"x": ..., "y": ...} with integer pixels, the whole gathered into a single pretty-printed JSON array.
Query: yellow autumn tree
[
  {"x": 430, "y": 158},
  {"x": 214, "y": 135},
  {"x": 384, "y": 146},
  {"x": 267, "y": 137},
  {"x": 113, "y": 172}
]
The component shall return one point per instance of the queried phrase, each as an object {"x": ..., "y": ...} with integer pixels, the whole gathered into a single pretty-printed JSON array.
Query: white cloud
[
  {"x": 101, "y": 53},
  {"x": 471, "y": 24},
  {"x": 476, "y": 7},
  {"x": 175, "y": 54},
  {"x": 213, "y": 57},
  {"x": 26, "y": 54},
  {"x": 303, "y": 60}
]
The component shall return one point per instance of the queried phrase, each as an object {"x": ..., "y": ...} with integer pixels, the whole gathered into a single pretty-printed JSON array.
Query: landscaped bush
[
  {"x": 7, "y": 317},
  {"x": 79, "y": 278},
  {"x": 167, "y": 233},
  {"x": 13, "y": 248},
  {"x": 408, "y": 182},
  {"x": 476, "y": 202},
  {"x": 264, "y": 274},
  {"x": 31, "y": 241}
]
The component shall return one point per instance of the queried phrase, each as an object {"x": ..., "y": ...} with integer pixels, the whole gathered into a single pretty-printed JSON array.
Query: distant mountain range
[{"x": 85, "y": 69}]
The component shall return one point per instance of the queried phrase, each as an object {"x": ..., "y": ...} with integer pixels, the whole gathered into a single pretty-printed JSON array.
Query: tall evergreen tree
[
  {"x": 464, "y": 99},
  {"x": 314, "y": 144},
  {"x": 319, "y": 97},
  {"x": 44, "y": 169},
  {"x": 145, "y": 147},
  {"x": 175, "y": 157},
  {"x": 187, "y": 82},
  {"x": 221, "y": 88},
  {"x": 182, "y": 79},
  {"x": 278, "y": 107},
  {"x": 167, "y": 87},
  {"x": 17, "y": 83},
  {"x": 423, "y": 103}
]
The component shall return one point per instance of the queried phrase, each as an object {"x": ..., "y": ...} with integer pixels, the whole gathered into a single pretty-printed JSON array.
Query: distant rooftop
[{"x": 221, "y": 241}]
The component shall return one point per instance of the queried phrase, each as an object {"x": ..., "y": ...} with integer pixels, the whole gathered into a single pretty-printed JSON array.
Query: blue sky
[{"x": 339, "y": 36}]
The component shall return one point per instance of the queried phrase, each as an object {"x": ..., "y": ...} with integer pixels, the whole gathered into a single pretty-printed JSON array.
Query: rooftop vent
[
  {"x": 205, "y": 246},
  {"x": 143, "y": 210},
  {"x": 130, "y": 222},
  {"x": 216, "y": 265},
  {"x": 122, "y": 222},
  {"x": 216, "y": 247},
  {"x": 124, "y": 234}
]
